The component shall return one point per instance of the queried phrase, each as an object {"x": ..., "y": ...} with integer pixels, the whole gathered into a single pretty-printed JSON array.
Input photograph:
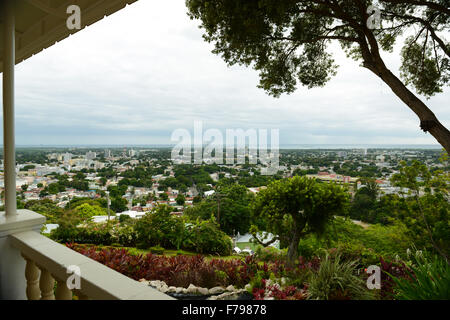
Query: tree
[
  {"x": 232, "y": 212},
  {"x": 196, "y": 199},
  {"x": 292, "y": 208},
  {"x": 363, "y": 204},
  {"x": 362, "y": 207},
  {"x": 55, "y": 188},
  {"x": 429, "y": 214},
  {"x": 180, "y": 199},
  {"x": 118, "y": 204},
  {"x": 103, "y": 181},
  {"x": 370, "y": 188},
  {"x": 163, "y": 196},
  {"x": 159, "y": 227},
  {"x": 87, "y": 211},
  {"x": 288, "y": 43},
  {"x": 47, "y": 208}
]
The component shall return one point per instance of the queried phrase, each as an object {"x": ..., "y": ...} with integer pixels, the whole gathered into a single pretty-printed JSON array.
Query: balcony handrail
[{"x": 51, "y": 260}]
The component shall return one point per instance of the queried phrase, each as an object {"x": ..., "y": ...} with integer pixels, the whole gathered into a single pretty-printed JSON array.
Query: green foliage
[
  {"x": 123, "y": 234},
  {"x": 288, "y": 42},
  {"x": 87, "y": 211},
  {"x": 356, "y": 243},
  {"x": 293, "y": 208},
  {"x": 270, "y": 254},
  {"x": 70, "y": 230},
  {"x": 428, "y": 216},
  {"x": 78, "y": 182},
  {"x": 159, "y": 227},
  {"x": 164, "y": 196},
  {"x": 137, "y": 177},
  {"x": 157, "y": 250},
  {"x": 257, "y": 280},
  {"x": 77, "y": 201},
  {"x": 421, "y": 70},
  {"x": 234, "y": 209},
  {"x": 180, "y": 199},
  {"x": 124, "y": 218},
  {"x": 337, "y": 279},
  {"x": 206, "y": 237},
  {"x": 55, "y": 188},
  {"x": 47, "y": 208},
  {"x": 429, "y": 280},
  {"x": 117, "y": 191}
]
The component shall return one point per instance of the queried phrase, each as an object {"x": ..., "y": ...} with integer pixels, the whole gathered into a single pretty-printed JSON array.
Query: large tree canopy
[
  {"x": 293, "y": 208},
  {"x": 287, "y": 41}
]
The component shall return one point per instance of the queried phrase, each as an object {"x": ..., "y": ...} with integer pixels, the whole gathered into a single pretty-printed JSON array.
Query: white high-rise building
[
  {"x": 91, "y": 155},
  {"x": 67, "y": 157}
]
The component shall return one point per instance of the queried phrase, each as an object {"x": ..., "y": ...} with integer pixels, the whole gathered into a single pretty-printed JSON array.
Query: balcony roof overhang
[{"x": 40, "y": 24}]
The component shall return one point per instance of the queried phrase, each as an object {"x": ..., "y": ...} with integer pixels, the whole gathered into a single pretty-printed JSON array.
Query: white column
[{"x": 9, "y": 157}]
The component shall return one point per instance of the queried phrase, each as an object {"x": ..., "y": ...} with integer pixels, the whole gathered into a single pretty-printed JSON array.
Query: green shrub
[
  {"x": 257, "y": 281},
  {"x": 310, "y": 247},
  {"x": 91, "y": 233},
  {"x": 124, "y": 234},
  {"x": 356, "y": 251},
  {"x": 124, "y": 218},
  {"x": 157, "y": 250},
  {"x": 337, "y": 279},
  {"x": 355, "y": 242},
  {"x": 142, "y": 245},
  {"x": 206, "y": 237},
  {"x": 269, "y": 254},
  {"x": 429, "y": 280},
  {"x": 160, "y": 228}
]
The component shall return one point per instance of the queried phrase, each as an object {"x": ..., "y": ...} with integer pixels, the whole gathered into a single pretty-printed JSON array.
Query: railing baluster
[
  {"x": 47, "y": 285},
  {"x": 32, "y": 276},
  {"x": 62, "y": 291}
]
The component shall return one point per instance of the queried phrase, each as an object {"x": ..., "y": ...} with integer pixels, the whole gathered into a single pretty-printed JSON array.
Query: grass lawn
[
  {"x": 243, "y": 245},
  {"x": 171, "y": 253}
]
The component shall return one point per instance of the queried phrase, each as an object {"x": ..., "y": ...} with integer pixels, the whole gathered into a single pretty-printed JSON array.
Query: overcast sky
[{"x": 136, "y": 76}]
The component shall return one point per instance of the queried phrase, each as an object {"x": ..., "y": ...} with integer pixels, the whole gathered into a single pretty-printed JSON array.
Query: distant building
[
  {"x": 67, "y": 157},
  {"x": 132, "y": 152},
  {"x": 91, "y": 155},
  {"x": 209, "y": 193},
  {"x": 132, "y": 214}
]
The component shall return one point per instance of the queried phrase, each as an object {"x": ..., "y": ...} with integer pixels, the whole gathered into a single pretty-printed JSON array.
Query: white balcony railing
[{"x": 47, "y": 262}]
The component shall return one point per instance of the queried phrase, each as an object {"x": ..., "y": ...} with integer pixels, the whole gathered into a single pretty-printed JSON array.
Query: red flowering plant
[
  {"x": 273, "y": 291},
  {"x": 179, "y": 271},
  {"x": 389, "y": 269}
]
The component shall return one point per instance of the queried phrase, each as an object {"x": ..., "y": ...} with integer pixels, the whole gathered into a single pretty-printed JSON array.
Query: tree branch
[
  {"x": 431, "y": 5},
  {"x": 427, "y": 25}
]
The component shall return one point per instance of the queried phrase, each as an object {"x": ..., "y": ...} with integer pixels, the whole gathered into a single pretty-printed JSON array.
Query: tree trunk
[
  {"x": 292, "y": 253},
  {"x": 428, "y": 120}
]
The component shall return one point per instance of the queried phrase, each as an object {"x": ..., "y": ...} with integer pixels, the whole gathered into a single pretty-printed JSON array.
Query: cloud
[{"x": 136, "y": 76}]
